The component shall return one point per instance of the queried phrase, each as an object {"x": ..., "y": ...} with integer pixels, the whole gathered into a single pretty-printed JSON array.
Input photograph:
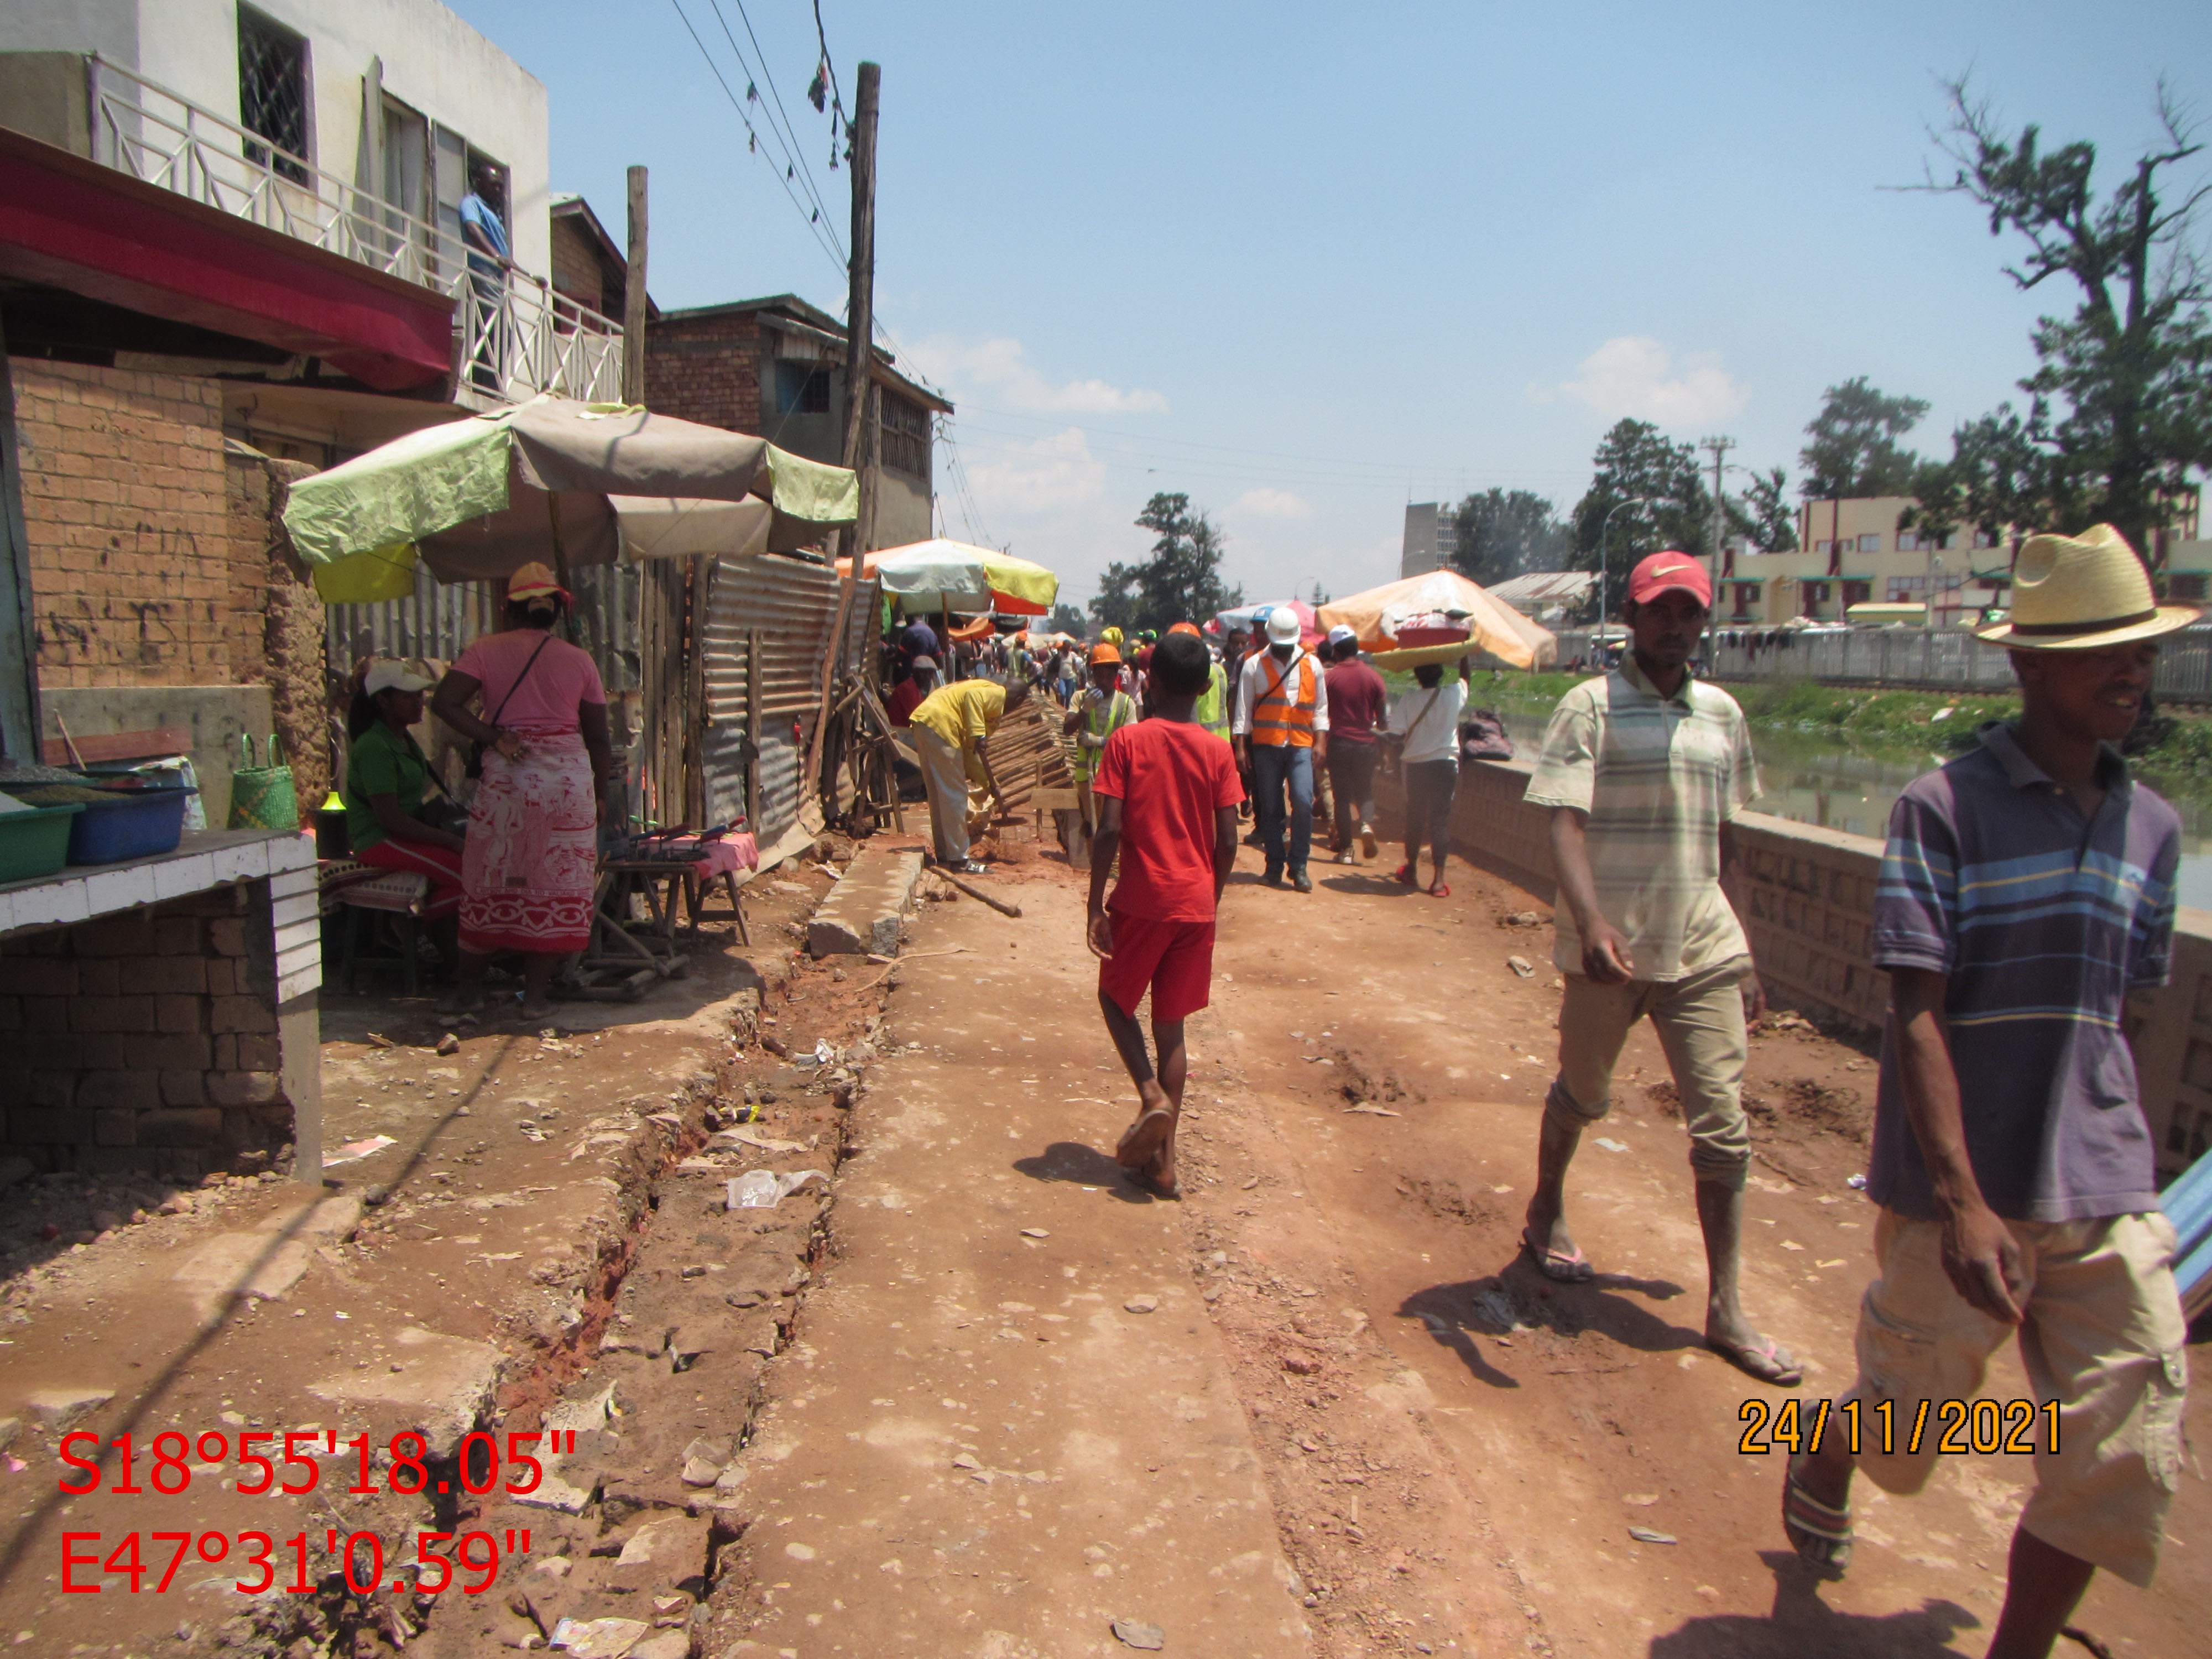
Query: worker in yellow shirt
[{"x": 949, "y": 729}]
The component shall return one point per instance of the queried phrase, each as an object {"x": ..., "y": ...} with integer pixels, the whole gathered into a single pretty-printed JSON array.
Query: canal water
[{"x": 1807, "y": 779}]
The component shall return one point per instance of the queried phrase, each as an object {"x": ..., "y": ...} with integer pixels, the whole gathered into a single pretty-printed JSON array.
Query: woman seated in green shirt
[{"x": 386, "y": 775}]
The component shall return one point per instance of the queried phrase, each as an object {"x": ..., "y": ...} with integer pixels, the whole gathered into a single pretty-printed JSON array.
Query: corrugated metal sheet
[
  {"x": 439, "y": 620},
  {"x": 792, "y": 603}
]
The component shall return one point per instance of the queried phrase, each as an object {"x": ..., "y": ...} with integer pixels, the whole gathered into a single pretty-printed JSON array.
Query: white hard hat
[{"x": 1282, "y": 626}]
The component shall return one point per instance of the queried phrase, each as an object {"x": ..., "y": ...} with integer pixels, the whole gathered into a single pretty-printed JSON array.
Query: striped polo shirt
[
  {"x": 2044, "y": 921},
  {"x": 1658, "y": 777}
]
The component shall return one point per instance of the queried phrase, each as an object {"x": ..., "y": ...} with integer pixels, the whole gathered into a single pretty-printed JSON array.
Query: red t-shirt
[
  {"x": 1170, "y": 777},
  {"x": 1357, "y": 699},
  {"x": 906, "y": 697}
]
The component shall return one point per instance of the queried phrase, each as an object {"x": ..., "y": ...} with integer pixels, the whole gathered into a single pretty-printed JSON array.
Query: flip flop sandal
[
  {"x": 1368, "y": 845},
  {"x": 1821, "y": 1536},
  {"x": 1440, "y": 890},
  {"x": 1567, "y": 1267},
  {"x": 1764, "y": 1363},
  {"x": 1141, "y": 1141},
  {"x": 1404, "y": 872},
  {"x": 1149, "y": 1180}
]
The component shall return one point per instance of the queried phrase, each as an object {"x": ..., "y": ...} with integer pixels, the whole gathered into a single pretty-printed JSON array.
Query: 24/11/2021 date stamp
[
  {"x": 405, "y": 1463},
  {"x": 1960, "y": 1426}
]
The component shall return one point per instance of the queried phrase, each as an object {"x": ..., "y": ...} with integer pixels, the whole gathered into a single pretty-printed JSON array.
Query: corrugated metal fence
[
  {"x": 1938, "y": 658},
  {"x": 675, "y": 639}
]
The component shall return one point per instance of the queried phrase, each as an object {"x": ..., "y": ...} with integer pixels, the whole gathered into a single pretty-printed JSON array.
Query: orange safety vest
[{"x": 1280, "y": 717}]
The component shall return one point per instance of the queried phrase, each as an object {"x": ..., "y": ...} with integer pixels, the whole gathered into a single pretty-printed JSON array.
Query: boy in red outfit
[{"x": 1167, "y": 791}]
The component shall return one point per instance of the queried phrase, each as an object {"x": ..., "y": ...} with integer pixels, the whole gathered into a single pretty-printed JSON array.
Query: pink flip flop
[{"x": 1567, "y": 1267}]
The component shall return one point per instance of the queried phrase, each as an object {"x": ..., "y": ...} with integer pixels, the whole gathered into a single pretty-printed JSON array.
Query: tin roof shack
[{"x": 776, "y": 367}]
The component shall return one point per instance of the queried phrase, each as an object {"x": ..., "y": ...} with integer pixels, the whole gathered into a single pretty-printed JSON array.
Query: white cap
[
  {"x": 385, "y": 675},
  {"x": 1339, "y": 634},
  {"x": 1282, "y": 626}
]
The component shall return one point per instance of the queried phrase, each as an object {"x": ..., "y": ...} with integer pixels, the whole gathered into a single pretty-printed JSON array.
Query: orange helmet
[
  {"x": 1190, "y": 629},
  {"x": 1103, "y": 654}
]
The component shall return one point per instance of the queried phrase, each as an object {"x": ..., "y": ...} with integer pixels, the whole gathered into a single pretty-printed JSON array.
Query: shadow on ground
[
  {"x": 1802, "y": 1626},
  {"x": 1457, "y": 1314},
  {"x": 1072, "y": 1161}
]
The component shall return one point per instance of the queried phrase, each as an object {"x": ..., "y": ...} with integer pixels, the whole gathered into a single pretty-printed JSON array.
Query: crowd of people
[{"x": 2026, "y": 889}]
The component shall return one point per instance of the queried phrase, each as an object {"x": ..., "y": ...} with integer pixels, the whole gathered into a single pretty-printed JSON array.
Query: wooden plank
[{"x": 119, "y": 745}]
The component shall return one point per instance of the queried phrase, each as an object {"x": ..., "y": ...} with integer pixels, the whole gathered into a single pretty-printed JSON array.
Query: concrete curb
[{"x": 866, "y": 912}]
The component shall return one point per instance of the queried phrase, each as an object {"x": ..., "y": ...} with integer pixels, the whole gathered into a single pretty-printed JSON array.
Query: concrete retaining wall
[{"x": 1811, "y": 892}]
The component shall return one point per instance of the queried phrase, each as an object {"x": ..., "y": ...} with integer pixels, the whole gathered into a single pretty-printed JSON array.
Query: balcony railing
[{"x": 514, "y": 336}]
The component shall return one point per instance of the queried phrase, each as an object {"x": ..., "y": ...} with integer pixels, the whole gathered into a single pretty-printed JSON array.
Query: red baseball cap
[{"x": 1655, "y": 574}]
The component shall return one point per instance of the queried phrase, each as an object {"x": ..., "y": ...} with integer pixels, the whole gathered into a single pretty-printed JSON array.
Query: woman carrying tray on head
[{"x": 531, "y": 860}]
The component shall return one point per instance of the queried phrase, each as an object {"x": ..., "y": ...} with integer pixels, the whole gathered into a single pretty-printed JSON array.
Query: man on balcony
[{"x": 489, "y": 261}]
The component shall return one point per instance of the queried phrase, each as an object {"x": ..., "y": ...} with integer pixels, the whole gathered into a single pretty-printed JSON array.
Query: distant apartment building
[
  {"x": 1430, "y": 538},
  {"x": 1856, "y": 552}
]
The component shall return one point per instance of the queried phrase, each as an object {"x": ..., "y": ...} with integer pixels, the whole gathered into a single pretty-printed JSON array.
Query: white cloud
[
  {"x": 1633, "y": 375},
  {"x": 1049, "y": 472},
  {"x": 1264, "y": 503},
  {"x": 1000, "y": 371}
]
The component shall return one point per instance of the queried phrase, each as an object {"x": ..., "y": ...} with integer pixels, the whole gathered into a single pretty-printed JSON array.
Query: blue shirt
[
  {"x": 475, "y": 210},
  {"x": 2044, "y": 921}
]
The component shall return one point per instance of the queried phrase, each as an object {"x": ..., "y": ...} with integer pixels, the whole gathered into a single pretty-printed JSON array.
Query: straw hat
[
  {"x": 534, "y": 582},
  {"x": 2082, "y": 593}
]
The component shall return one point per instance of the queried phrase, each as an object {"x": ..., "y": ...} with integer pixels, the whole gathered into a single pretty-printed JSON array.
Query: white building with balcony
[{"x": 358, "y": 127}]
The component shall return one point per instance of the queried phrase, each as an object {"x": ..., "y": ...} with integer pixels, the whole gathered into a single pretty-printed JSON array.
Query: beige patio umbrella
[{"x": 1376, "y": 616}]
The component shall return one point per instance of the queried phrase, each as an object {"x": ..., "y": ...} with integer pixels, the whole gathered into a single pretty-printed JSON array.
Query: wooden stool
[{"x": 399, "y": 895}]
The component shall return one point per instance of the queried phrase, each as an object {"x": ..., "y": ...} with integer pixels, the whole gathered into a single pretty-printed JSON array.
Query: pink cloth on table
[
  {"x": 732, "y": 854},
  {"x": 544, "y": 704}
]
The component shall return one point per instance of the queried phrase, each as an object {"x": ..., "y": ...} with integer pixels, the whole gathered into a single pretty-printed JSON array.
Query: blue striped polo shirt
[{"x": 2045, "y": 921}]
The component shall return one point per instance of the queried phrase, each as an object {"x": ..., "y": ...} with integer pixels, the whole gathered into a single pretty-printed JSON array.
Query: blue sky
[{"x": 1308, "y": 263}]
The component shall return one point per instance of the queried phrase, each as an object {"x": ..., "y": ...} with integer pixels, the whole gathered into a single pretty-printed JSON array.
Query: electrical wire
[
  {"x": 814, "y": 224},
  {"x": 786, "y": 136}
]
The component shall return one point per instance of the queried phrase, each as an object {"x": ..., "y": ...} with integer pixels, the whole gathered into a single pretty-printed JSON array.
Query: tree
[
  {"x": 1181, "y": 582},
  {"x": 1636, "y": 460},
  {"x": 1500, "y": 533},
  {"x": 2119, "y": 414},
  {"x": 1065, "y": 619},
  {"x": 1767, "y": 513},
  {"x": 1854, "y": 450}
]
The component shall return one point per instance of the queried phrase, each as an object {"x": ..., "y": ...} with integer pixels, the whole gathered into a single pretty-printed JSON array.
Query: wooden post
[
  {"x": 633, "y": 295},
  {"x": 860, "y": 361},
  {"x": 753, "y": 733}
]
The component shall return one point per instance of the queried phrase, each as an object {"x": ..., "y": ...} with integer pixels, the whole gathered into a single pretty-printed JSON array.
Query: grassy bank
[{"x": 1888, "y": 723}]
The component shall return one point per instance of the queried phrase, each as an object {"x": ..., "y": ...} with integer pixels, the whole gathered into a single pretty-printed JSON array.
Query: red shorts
[{"x": 1174, "y": 959}]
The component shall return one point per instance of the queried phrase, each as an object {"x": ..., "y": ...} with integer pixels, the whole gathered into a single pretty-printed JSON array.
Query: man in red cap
[{"x": 1645, "y": 770}]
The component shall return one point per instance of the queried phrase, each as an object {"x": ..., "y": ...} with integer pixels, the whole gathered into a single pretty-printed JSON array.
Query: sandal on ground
[
  {"x": 1440, "y": 889},
  {"x": 1568, "y": 1267},
  {"x": 1763, "y": 1362},
  {"x": 1368, "y": 844},
  {"x": 1141, "y": 1143},
  {"x": 1820, "y": 1536},
  {"x": 1404, "y": 872}
]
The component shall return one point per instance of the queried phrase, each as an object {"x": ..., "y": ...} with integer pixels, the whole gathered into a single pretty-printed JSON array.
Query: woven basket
[{"x": 262, "y": 797}]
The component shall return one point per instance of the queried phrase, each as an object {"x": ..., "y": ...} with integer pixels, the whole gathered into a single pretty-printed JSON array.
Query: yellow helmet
[{"x": 1109, "y": 636}]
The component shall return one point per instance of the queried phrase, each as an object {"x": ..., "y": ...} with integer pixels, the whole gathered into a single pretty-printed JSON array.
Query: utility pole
[
  {"x": 860, "y": 429},
  {"x": 1718, "y": 448},
  {"x": 633, "y": 377},
  {"x": 859, "y": 352}
]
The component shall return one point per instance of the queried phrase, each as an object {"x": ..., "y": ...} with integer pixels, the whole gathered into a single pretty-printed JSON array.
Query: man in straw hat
[{"x": 2026, "y": 889}]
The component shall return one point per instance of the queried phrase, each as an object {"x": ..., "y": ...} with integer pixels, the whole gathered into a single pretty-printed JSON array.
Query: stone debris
[
  {"x": 1135, "y": 1633},
  {"x": 1141, "y": 1304}
]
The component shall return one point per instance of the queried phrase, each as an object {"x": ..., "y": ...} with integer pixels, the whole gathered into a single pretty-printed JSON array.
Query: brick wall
[
  {"x": 706, "y": 369},
  {"x": 132, "y": 558},
  {"x": 280, "y": 639},
  {"x": 577, "y": 270},
  {"x": 147, "y": 1041}
]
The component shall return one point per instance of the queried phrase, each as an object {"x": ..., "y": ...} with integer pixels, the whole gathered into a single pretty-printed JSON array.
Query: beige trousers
[
  {"x": 1699, "y": 1021},
  {"x": 2104, "y": 1337},
  {"x": 952, "y": 798}
]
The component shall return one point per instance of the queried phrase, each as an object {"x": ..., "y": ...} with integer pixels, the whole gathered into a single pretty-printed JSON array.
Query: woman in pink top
[{"x": 531, "y": 860}]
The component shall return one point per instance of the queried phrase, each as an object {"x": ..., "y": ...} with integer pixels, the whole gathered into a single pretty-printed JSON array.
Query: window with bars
[
  {"x": 905, "y": 435},
  {"x": 801, "y": 388},
  {"x": 272, "y": 94}
]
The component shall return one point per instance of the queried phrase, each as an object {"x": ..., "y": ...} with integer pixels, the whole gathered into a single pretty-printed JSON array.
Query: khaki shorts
[
  {"x": 1699, "y": 1021},
  {"x": 2104, "y": 1337}
]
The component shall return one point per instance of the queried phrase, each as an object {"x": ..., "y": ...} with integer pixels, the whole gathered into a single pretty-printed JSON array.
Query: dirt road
[{"x": 981, "y": 1452}]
